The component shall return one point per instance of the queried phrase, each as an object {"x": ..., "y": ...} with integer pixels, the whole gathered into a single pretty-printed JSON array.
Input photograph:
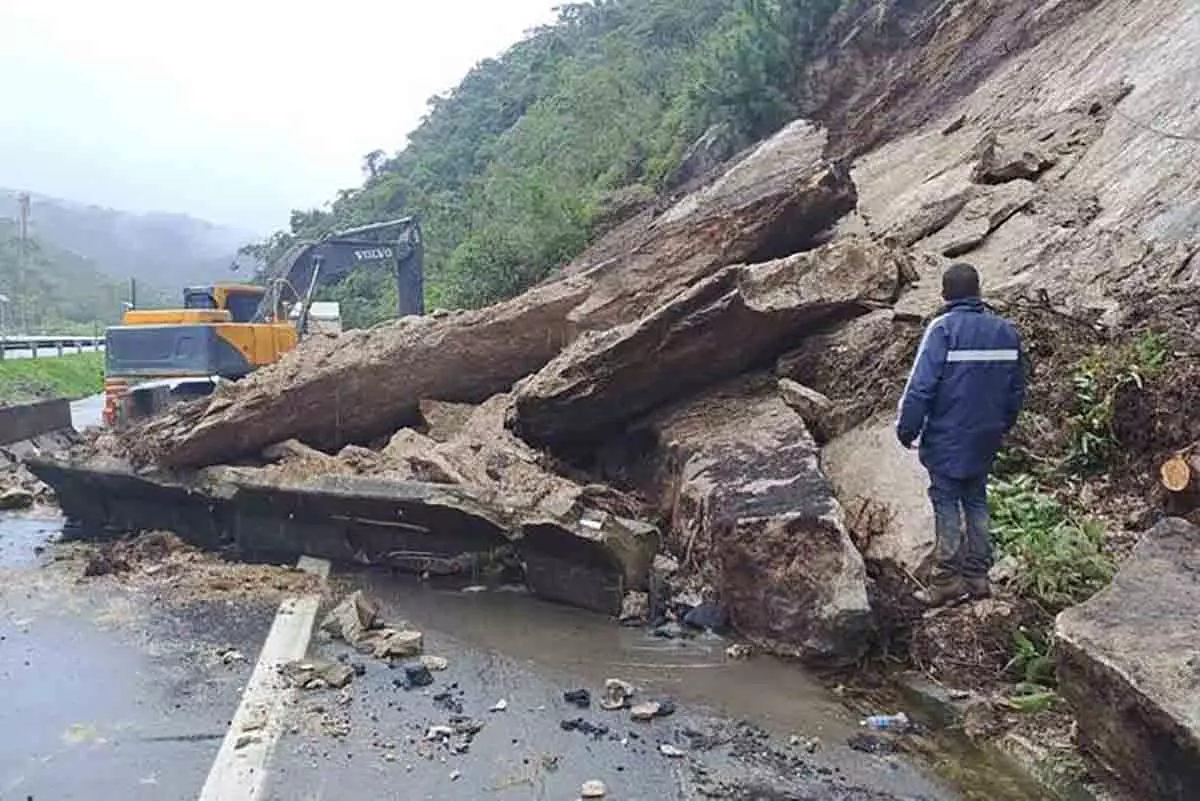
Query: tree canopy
[{"x": 512, "y": 171}]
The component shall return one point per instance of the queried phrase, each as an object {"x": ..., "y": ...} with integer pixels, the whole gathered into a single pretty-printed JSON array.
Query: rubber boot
[
  {"x": 942, "y": 591},
  {"x": 978, "y": 587}
]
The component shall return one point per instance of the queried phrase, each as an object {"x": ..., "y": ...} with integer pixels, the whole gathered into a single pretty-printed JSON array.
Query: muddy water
[
  {"x": 778, "y": 696},
  {"x": 781, "y": 697}
]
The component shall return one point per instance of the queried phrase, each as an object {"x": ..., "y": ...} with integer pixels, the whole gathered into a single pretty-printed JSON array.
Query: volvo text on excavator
[{"x": 225, "y": 331}]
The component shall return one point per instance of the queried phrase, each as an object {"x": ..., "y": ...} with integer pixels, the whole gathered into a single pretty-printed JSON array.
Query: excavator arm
[{"x": 312, "y": 265}]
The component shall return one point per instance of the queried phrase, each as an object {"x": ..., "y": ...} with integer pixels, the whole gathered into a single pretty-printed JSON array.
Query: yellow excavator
[{"x": 226, "y": 331}]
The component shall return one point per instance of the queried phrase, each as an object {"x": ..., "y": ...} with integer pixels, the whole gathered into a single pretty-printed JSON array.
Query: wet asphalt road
[
  {"x": 103, "y": 701},
  {"x": 111, "y": 701}
]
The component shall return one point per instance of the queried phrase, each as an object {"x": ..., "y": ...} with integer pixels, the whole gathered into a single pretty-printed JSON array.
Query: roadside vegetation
[
  {"x": 74, "y": 375},
  {"x": 1060, "y": 548}
]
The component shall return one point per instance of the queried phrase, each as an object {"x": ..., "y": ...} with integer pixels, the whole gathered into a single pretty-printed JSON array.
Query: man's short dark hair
[{"x": 960, "y": 281}]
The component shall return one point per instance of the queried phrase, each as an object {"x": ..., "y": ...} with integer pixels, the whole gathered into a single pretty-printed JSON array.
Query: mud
[{"x": 162, "y": 566}]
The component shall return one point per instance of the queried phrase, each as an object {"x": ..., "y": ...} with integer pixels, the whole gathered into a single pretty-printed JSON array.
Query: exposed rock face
[
  {"x": 985, "y": 212},
  {"x": 882, "y": 486},
  {"x": 1090, "y": 116},
  {"x": 861, "y": 366},
  {"x": 886, "y": 69},
  {"x": 741, "y": 317},
  {"x": 1129, "y": 662},
  {"x": 741, "y": 483},
  {"x": 773, "y": 202}
]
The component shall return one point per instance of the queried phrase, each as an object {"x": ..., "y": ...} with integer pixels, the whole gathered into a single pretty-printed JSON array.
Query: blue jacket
[{"x": 965, "y": 391}]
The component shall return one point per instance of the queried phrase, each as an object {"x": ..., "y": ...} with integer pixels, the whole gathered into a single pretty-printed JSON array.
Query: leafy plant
[
  {"x": 1096, "y": 382},
  {"x": 1062, "y": 559},
  {"x": 1033, "y": 658},
  {"x": 1033, "y": 702}
]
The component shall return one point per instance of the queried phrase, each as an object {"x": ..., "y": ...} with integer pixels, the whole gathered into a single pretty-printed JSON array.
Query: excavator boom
[{"x": 312, "y": 265}]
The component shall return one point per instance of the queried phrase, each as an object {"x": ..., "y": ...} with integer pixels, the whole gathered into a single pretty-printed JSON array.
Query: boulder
[
  {"x": 351, "y": 619},
  {"x": 775, "y": 201},
  {"x": 16, "y": 498},
  {"x": 442, "y": 420},
  {"x": 714, "y": 147},
  {"x": 883, "y": 487},
  {"x": 330, "y": 392},
  {"x": 414, "y": 456},
  {"x": 861, "y": 366},
  {"x": 1010, "y": 157},
  {"x": 742, "y": 486},
  {"x": 1129, "y": 663},
  {"x": 739, "y": 318},
  {"x": 813, "y": 407}
]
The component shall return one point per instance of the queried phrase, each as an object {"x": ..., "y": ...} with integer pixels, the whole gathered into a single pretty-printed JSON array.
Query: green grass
[{"x": 74, "y": 375}]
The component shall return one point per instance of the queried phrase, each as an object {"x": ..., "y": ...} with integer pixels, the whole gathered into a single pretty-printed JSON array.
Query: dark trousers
[{"x": 962, "y": 549}]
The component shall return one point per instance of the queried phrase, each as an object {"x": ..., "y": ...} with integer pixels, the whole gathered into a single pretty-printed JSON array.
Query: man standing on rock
[{"x": 963, "y": 395}]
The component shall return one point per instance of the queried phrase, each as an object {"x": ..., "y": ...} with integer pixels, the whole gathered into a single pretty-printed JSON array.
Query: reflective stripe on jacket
[{"x": 965, "y": 390}]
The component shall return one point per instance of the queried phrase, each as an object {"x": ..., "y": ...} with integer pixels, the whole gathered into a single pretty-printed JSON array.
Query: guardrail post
[
  {"x": 33, "y": 347},
  {"x": 60, "y": 348}
]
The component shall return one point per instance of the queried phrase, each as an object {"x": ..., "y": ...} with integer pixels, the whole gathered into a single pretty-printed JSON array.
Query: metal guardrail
[{"x": 50, "y": 344}]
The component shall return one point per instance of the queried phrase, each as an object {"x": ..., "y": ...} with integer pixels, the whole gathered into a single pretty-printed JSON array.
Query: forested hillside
[
  {"x": 514, "y": 170},
  {"x": 57, "y": 290}
]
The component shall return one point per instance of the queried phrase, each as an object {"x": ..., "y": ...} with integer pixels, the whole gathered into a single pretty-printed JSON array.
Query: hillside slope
[
  {"x": 163, "y": 251},
  {"x": 56, "y": 289}
]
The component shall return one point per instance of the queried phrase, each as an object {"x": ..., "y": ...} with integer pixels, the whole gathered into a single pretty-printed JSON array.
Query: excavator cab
[{"x": 240, "y": 300}]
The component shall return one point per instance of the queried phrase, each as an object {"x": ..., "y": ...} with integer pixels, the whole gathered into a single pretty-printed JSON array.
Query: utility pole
[{"x": 23, "y": 218}]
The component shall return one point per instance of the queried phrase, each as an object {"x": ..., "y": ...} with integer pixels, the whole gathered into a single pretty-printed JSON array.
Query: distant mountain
[{"x": 164, "y": 252}]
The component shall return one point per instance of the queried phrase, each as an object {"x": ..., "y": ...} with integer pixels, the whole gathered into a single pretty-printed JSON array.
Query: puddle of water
[
  {"x": 24, "y": 536},
  {"x": 779, "y": 696},
  {"x": 782, "y": 697}
]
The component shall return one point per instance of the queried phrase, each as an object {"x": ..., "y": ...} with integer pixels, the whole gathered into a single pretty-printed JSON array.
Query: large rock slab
[
  {"x": 882, "y": 486},
  {"x": 366, "y": 383},
  {"x": 774, "y": 201},
  {"x": 739, "y": 318},
  {"x": 1129, "y": 663},
  {"x": 988, "y": 210},
  {"x": 750, "y": 509}
]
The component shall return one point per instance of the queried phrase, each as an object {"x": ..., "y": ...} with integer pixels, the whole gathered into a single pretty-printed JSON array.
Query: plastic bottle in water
[{"x": 898, "y": 721}]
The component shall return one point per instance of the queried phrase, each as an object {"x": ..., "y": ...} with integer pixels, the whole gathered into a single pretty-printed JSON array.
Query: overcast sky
[{"x": 231, "y": 110}]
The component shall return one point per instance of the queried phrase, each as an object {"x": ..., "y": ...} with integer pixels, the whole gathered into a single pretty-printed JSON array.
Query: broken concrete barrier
[
  {"x": 584, "y": 557},
  {"x": 1129, "y": 663}
]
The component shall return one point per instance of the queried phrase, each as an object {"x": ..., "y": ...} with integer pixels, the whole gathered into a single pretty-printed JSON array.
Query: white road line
[{"x": 239, "y": 774}]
